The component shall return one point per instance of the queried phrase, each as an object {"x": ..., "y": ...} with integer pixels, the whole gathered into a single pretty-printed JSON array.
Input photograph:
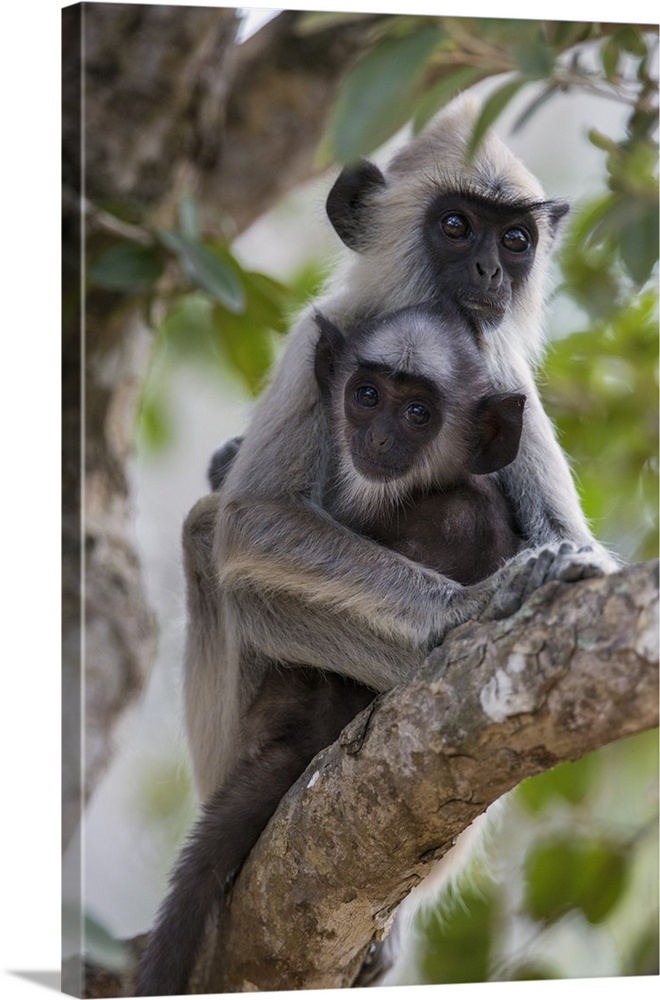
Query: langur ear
[
  {"x": 498, "y": 426},
  {"x": 221, "y": 461},
  {"x": 556, "y": 212},
  {"x": 328, "y": 346},
  {"x": 347, "y": 206}
]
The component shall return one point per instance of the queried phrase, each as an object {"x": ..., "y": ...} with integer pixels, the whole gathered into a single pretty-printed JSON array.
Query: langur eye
[
  {"x": 367, "y": 395},
  {"x": 515, "y": 240},
  {"x": 455, "y": 226},
  {"x": 417, "y": 413}
]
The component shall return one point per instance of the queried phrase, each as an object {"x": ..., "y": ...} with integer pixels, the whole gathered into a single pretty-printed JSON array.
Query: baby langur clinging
[{"x": 416, "y": 431}]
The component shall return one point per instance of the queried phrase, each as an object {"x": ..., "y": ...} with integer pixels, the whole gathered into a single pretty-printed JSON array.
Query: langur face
[
  {"x": 482, "y": 251},
  {"x": 390, "y": 419}
]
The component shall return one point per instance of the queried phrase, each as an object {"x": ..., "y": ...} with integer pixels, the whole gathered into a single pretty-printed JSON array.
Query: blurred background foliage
[{"x": 569, "y": 887}]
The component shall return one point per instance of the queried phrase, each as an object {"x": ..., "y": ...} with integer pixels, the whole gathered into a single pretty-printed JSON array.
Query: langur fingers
[
  {"x": 539, "y": 571},
  {"x": 507, "y": 593},
  {"x": 588, "y": 562},
  {"x": 524, "y": 580},
  {"x": 564, "y": 562},
  {"x": 522, "y": 575}
]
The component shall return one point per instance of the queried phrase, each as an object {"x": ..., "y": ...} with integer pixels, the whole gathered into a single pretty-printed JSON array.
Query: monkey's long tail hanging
[{"x": 222, "y": 838}]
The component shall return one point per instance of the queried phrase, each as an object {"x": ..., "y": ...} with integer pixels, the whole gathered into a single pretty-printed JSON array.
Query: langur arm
[
  {"x": 301, "y": 588},
  {"x": 547, "y": 507},
  {"x": 305, "y": 589}
]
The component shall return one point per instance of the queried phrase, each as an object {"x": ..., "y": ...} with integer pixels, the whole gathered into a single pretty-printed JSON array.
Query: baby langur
[
  {"x": 417, "y": 432},
  {"x": 417, "y": 428}
]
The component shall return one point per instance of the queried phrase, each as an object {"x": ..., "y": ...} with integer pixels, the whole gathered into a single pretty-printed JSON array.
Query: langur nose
[
  {"x": 380, "y": 441},
  {"x": 490, "y": 274}
]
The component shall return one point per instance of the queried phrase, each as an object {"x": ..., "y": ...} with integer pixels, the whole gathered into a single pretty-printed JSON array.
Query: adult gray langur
[
  {"x": 291, "y": 583},
  {"x": 278, "y": 578}
]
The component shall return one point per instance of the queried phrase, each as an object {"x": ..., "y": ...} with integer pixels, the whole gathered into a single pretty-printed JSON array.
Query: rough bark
[
  {"x": 576, "y": 668},
  {"x": 171, "y": 104}
]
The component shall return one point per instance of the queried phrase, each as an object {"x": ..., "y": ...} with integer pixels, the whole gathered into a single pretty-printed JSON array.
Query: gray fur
[{"x": 294, "y": 585}]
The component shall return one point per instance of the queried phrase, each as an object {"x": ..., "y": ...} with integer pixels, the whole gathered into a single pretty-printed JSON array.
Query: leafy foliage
[
  {"x": 601, "y": 387},
  {"x": 570, "y": 873},
  {"x": 205, "y": 309},
  {"x": 127, "y": 267},
  {"x": 376, "y": 97},
  {"x": 452, "y": 53}
]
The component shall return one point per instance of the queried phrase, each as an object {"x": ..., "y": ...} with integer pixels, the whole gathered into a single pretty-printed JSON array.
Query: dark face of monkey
[
  {"x": 481, "y": 251},
  {"x": 390, "y": 419}
]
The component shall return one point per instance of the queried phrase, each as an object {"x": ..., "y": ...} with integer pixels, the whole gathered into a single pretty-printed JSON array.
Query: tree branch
[{"x": 573, "y": 670}]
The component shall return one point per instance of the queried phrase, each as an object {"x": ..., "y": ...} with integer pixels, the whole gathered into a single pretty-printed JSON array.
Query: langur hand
[{"x": 565, "y": 561}]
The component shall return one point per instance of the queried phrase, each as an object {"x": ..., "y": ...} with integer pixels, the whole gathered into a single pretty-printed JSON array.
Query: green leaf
[
  {"x": 609, "y": 56},
  {"x": 535, "y": 60},
  {"x": 209, "y": 266},
  {"x": 583, "y": 874},
  {"x": 631, "y": 224},
  {"x": 638, "y": 241},
  {"x": 269, "y": 302},
  {"x": 246, "y": 346},
  {"x": 189, "y": 216},
  {"x": 492, "y": 109},
  {"x": 127, "y": 267},
  {"x": 187, "y": 326},
  {"x": 565, "y": 34},
  {"x": 232, "y": 274},
  {"x": 154, "y": 423},
  {"x": 458, "y": 937},
  {"x": 601, "y": 141},
  {"x": 630, "y": 39},
  {"x": 376, "y": 98}
]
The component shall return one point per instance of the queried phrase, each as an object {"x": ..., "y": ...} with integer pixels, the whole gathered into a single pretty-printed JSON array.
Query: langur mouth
[
  {"x": 486, "y": 306},
  {"x": 482, "y": 305},
  {"x": 377, "y": 471}
]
